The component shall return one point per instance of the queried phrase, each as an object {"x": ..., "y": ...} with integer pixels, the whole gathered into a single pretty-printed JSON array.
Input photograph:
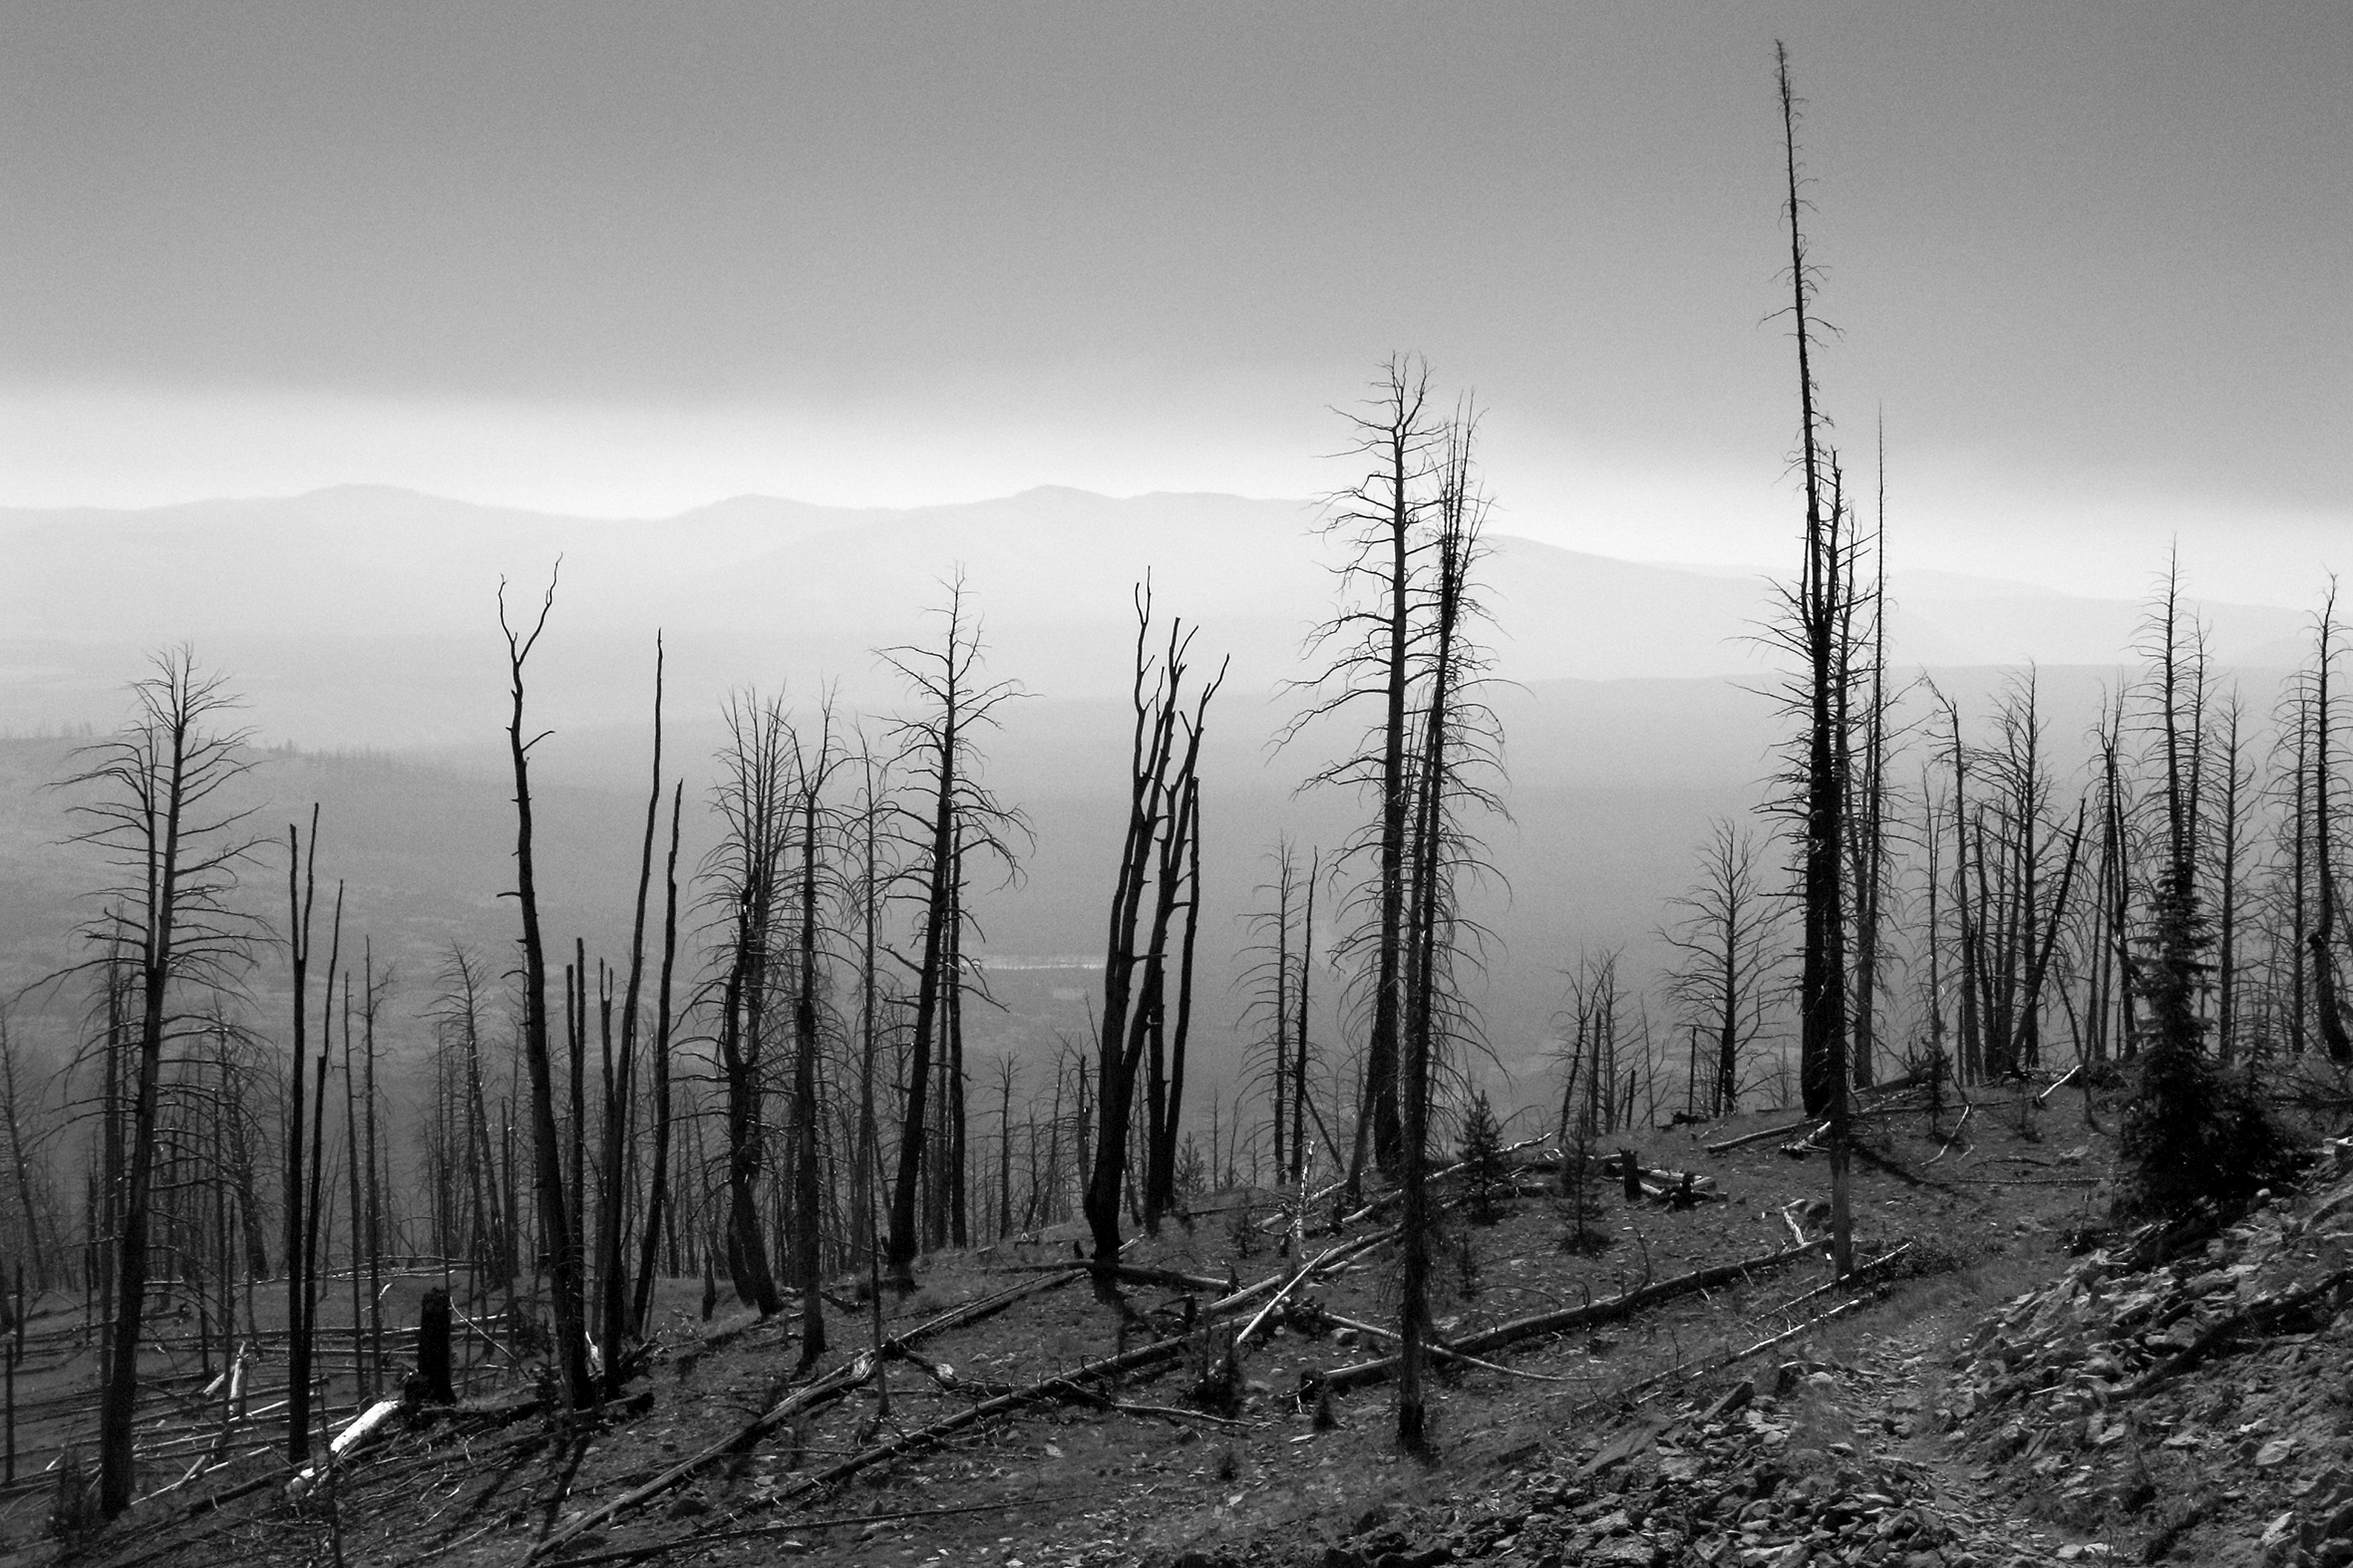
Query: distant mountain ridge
[{"x": 366, "y": 615}]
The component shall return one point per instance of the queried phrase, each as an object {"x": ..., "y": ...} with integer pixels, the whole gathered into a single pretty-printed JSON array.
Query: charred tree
[
  {"x": 1370, "y": 647},
  {"x": 556, "y": 1207},
  {"x": 157, "y": 817},
  {"x": 960, "y": 814}
]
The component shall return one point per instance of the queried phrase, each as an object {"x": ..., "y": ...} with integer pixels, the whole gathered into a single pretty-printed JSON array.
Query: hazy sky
[{"x": 2093, "y": 260}]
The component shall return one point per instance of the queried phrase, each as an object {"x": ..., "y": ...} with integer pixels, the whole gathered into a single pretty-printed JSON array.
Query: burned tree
[
  {"x": 1818, "y": 617},
  {"x": 745, "y": 875},
  {"x": 961, "y": 817},
  {"x": 614, "y": 1315},
  {"x": 2195, "y": 1135},
  {"x": 2327, "y": 1010},
  {"x": 1280, "y": 1001},
  {"x": 1457, "y": 748},
  {"x": 811, "y": 777},
  {"x": 1370, "y": 649},
  {"x": 557, "y": 1206},
  {"x": 1162, "y": 797},
  {"x": 1727, "y": 952},
  {"x": 158, "y": 816}
]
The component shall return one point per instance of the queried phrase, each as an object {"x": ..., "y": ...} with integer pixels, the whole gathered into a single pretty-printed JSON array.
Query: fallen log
[
  {"x": 1396, "y": 1194},
  {"x": 1060, "y": 1386},
  {"x": 361, "y": 1429},
  {"x": 1445, "y": 1352},
  {"x": 1544, "y": 1324},
  {"x": 986, "y": 1306},
  {"x": 1856, "y": 1276},
  {"x": 844, "y": 1379},
  {"x": 1745, "y": 1139},
  {"x": 1650, "y": 1385},
  {"x": 823, "y": 1390},
  {"x": 2024, "y": 1181},
  {"x": 1126, "y": 1272}
]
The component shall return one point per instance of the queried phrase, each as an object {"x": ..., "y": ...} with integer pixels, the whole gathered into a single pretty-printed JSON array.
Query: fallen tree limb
[
  {"x": 1126, "y": 1272},
  {"x": 1968, "y": 1109},
  {"x": 1059, "y": 1386},
  {"x": 1326, "y": 1259},
  {"x": 1649, "y": 1385},
  {"x": 843, "y": 1378},
  {"x": 986, "y": 1306},
  {"x": 2024, "y": 1181},
  {"x": 1745, "y": 1139},
  {"x": 1544, "y": 1324},
  {"x": 362, "y": 1428},
  {"x": 1448, "y": 1352},
  {"x": 1860, "y": 1273},
  {"x": 1396, "y": 1194},
  {"x": 823, "y": 1390},
  {"x": 2212, "y": 1337}
]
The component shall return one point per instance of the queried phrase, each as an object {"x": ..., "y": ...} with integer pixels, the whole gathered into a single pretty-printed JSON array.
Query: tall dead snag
[
  {"x": 458, "y": 1018},
  {"x": 746, "y": 876},
  {"x": 613, "y": 1272},
  {"x": 936, "y": 747},
  {"x": 2328, "y": 1013},
  {"x": 1302, "y": 1097},
  {"x": 657, "y": 1191},
  {"x": 1164, "y": 751},
  {"x": 1369, "y": 648},
  {"x": 866, "y": 891},
  {"x": 1181, "y": 884},
  {"x": 1270, "y": 997},
  {"x": 1455, "y": 738},
  {"x": 810, "y": 779},
  {"x": 556, "y": 1231},
  {"x": 301, "y": 895},
  {"x": 2015, "y": 851},
  {"x": 173, "y": 846},
  {"x": 2229, "y": 745},
  {"x": 1868, "y": 820},
  {"x": 1280, "y": 997},
  {"x": 1818, "y": 614}
]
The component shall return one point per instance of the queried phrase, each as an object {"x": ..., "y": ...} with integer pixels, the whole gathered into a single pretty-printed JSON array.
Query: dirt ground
[{"x": 1265, "y": 1479}]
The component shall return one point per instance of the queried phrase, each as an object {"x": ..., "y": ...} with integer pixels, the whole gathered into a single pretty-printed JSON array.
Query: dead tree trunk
[{"x": 556, "y": 1207}]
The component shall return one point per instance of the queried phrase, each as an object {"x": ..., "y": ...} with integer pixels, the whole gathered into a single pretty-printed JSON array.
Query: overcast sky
[{"x": 2091, "y": 260}]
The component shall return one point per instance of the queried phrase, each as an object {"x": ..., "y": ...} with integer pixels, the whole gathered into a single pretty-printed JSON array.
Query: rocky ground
[
  {"x": 2163, "y": 1400},
  {"x": 2003, "y": 1394}
]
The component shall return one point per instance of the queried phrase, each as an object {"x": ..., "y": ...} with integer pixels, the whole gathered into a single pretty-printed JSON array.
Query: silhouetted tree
[
  {"x": 1369, "y": 649},
  {"x": 961, "y": 817},
  {"x": 557, "y": 1232},
  {"x": 1726, "y": 947},
  {"x": 172, "y": 844}
]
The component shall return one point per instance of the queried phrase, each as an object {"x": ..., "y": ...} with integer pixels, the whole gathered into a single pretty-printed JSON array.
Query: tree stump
[{"x": 433, "y": 1347}]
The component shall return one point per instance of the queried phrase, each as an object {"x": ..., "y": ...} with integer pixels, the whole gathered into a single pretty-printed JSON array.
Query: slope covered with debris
[{"x": 2190, "y": 1397}]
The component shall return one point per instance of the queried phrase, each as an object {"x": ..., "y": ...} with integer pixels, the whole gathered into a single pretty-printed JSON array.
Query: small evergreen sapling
[
  {"x": 1580, "y": 1179},
  {"x": 1482, "y": 1163}
]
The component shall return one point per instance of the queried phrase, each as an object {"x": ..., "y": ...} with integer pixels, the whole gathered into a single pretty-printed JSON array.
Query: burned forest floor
[{"x": 1687, "y": 1385}]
